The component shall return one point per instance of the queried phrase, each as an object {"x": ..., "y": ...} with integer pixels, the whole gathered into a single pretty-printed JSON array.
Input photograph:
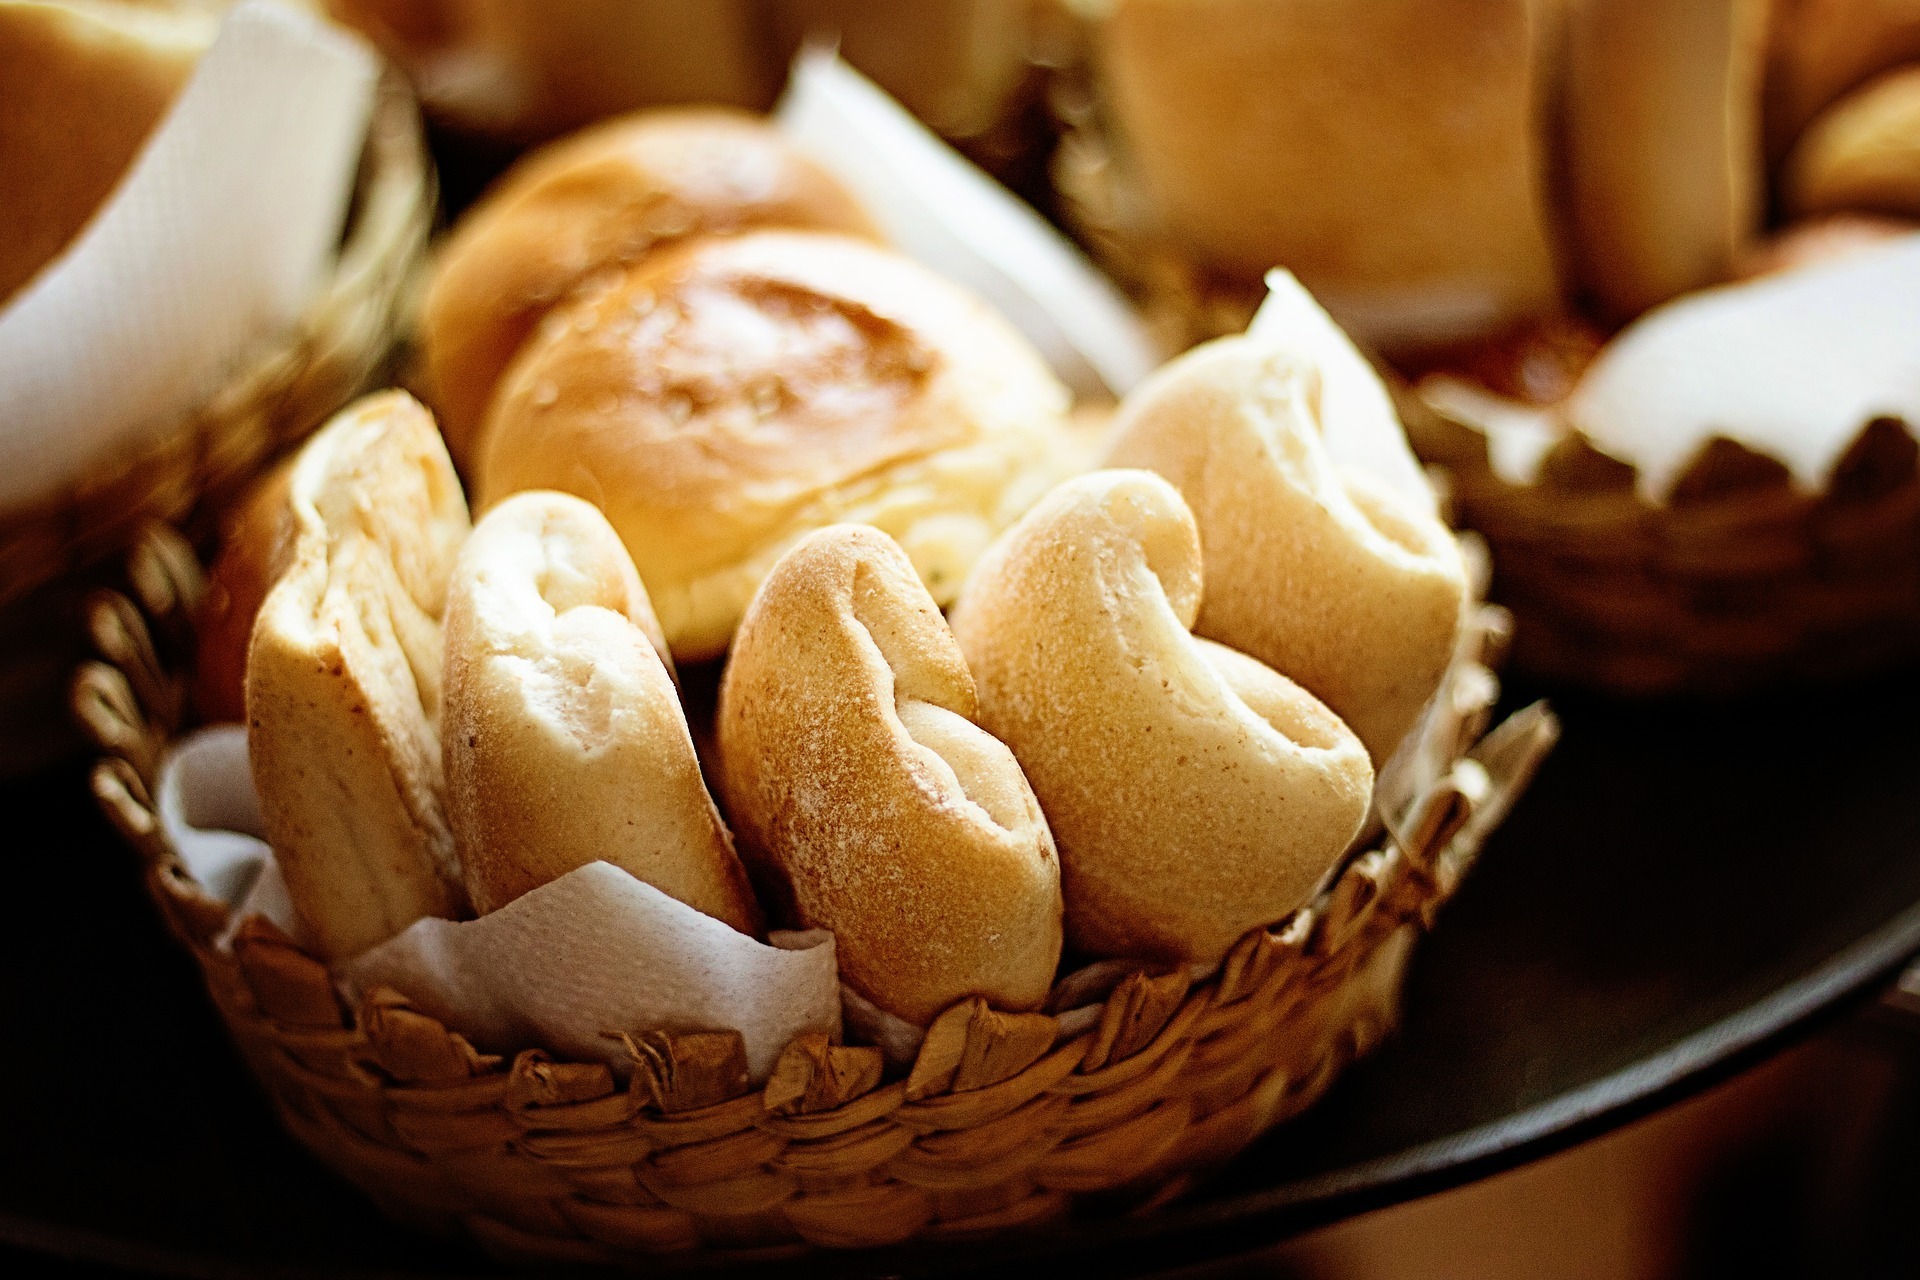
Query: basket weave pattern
[
  {"x": 1003, "y": 1120},
  {"x": 1742, "y": 577}
]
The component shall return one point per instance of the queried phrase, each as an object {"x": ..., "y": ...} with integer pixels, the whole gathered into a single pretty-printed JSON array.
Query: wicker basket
[
  {"x": 1003, "y": 1121},
  {"x": 54, "y": 552},
  {"x": 1740, "y": 579}
]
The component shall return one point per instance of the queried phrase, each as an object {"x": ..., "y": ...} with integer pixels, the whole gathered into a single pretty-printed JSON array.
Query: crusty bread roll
[
  {"x": 1661, "y": 144},
  {"x": 343, "y": 679},
  {"x": 564, "y": 738},
  {"x": 855, "y": 773},
  {"x": 598, "y": 201},
  {"x": 1388, "y": 153},
  {"x": 1323, "y": 573},
  {"x": 1862, "y": 153},
  {"x": 85, "y": 82},
  {"x": 1820, "y": 49},
  {"x": 256, "y": 545},
  {"x": 1195, "y": 794},
  {"x": 724, "y": 398}
]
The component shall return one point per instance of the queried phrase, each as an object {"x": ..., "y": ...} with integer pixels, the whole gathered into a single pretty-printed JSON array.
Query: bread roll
[
  {"x": 256, "y": 545},
  {"x": 1820, "y": 49},
  {"x": 854, "y": 770},
  {"x": 1661, "y": 144},
  {"x": 723, "y": 399},
  {"x": 602, "y": 200},
  {"x": 1324, "y": 574},
  {"x": 564, "y": 738},
  {"x": 1862, "y": 153},
  {"x": 85, "y": 82},
  {"x": 520, "y": 72},
  {"x": 343, "y": 679},
  {"x": 1195, "y": 794},
  {"x": 1388, "y": 153}
]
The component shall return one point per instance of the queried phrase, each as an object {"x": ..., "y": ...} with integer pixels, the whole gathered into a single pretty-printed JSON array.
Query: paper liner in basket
[
  {"x": 211, "y": 245},
  {"x": 565, "y": 967}
]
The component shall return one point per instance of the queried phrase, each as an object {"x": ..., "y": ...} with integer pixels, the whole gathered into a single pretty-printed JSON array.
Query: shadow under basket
[
  {"x": 1133, "y": 1084},
  {"x": 1740, "y": 579},
  {"x": 68, "y": 543}
]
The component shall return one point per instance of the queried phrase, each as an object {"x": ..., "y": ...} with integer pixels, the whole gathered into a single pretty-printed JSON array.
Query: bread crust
[
  {"x": 599, "y": 201},
  {"x": 565, "y": 742},
  {"x": 859, "y": 781},
  {"x": 344, "y": 679},
  {"x": 1321, "y": 572},
  {"x": 725, "y": 398},
  {"x": 1193, "y": 792}
]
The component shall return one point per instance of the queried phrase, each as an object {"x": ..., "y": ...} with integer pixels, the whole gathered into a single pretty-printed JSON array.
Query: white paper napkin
[
  {"x": 1358, "y": 421},
  {"x": 211, "y": 244},
  {"x": 593, "y": 952},
  {"x": 938, "y": 208},
  {"x": 1792, "y": 365}
]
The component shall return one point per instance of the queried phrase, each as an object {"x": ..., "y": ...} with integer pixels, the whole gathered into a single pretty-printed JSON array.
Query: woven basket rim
[
  {"x": 389, "y": 214},
  {"x": 1112, "y": 1089}
]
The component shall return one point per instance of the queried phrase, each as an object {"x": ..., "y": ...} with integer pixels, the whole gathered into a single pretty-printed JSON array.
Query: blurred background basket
[
  {"x": 72, "y": 541},
  {"x": 1131, "y": 1085}
]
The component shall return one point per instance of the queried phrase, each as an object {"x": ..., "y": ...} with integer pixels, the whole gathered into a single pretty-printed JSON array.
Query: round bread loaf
[
  {"x": 723, "y": 399},
  {"x": 565, "y": 742},
  {"x": 599, "y": 201},
  {"x": 1323, "y": 573},
  {"x": 344, "y": 679},
  {"x": 864, "y": 790},
  {"x": 1194, "y": 793}
]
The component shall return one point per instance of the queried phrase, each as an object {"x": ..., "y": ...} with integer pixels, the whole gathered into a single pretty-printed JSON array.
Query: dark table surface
[{"x": 1686, "y": 885}]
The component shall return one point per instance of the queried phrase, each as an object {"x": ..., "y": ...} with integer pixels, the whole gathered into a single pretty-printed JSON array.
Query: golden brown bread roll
[
  {"x": 1193, "y": 792},
  {"x": 1388, "y": 153},
  {"x": 565, "y": 742},
  {"x": 85, "y": 82},
  {"x": 1323, "y": 573},
  {"x": 1820, "y": 49},
  {"x": 599, "y": 201},
  {"x": 1862, "y": 153},
  {"x": 256, "y": 544},
  {"x": 725, "y": 398},
  {"x": 1661, "y": 146},
  {"x": 853, "y": 768},
  {"x": 343, "y": 679}
]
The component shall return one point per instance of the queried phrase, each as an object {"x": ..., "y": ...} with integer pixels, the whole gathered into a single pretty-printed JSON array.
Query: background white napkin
[
  {"x": 212, "y": 243},
  {"x": 936, "y": 207},
  {"x": 592, "y": 952}
]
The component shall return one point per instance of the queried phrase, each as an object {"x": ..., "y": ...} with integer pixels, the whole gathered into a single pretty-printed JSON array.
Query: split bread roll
[
  {"x": 343, "y": 679},
  {"x": 725, "y": 398},
  {"x": 1194, "y": 793},
  {"x": 565, "y": 740},
  {"x": 85, "y": 82},
  {"x": 855, "y": 771},
  {"x": 1862, "y": 154},
  {"x": 1322, "y": 572},
  {"x": 1388, "y": 153},
  {"x": 599, "y": 201}
]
